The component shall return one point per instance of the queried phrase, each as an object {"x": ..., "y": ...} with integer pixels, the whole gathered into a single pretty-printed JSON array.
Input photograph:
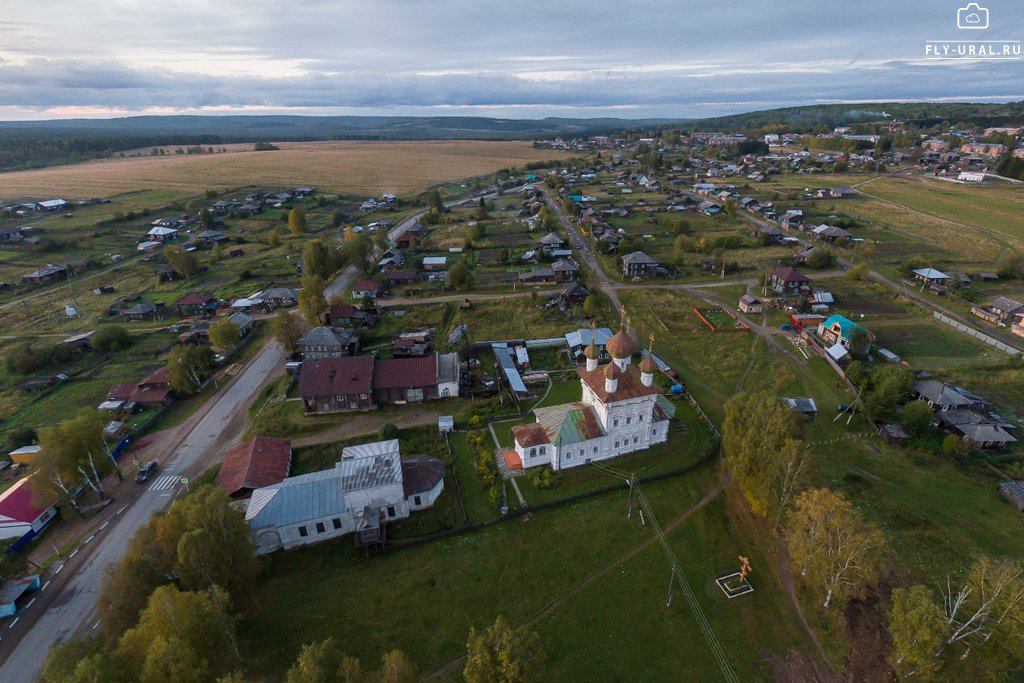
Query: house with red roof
[
  {"x": 260, "y": 461},
  {"x": 788, "y": 281},
  {"x": 195, "y": 303},
  {"x": 19, "y": 515},
  {"x": 331, "y": 385},
  {"x": 366, "y": 289},
  {"x": 152, "y": 392}
]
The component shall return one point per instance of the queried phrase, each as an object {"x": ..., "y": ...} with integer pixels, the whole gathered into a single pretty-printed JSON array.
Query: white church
[{"x": 621, "y": 411}]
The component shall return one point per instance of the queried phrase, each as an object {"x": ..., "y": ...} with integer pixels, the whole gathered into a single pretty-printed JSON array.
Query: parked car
[{"x": 146, "y": 471}]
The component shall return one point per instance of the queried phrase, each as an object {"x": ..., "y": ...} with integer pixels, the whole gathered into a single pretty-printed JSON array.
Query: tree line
[{"x": 33, "y": 151}]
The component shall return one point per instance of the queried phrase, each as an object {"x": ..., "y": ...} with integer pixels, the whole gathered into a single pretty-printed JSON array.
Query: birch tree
[
  {"x": 75, "y": 448},
  {"x": 832, "y": 545}
]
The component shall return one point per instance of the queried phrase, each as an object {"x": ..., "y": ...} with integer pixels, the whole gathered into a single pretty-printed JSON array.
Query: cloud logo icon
[{"x": 973, "y": 16}]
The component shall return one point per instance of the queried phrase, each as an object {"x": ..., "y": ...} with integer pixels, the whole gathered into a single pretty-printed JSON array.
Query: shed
[
  {"x": 260, "y": 461},
  {"x": 1013, "y": 491},
  {"x": 893, "y": 434}
]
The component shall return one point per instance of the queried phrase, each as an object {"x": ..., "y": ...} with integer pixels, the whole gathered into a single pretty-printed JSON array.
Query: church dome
[
  {"x": 622, "y": 345},
  {"x": 647, "y": 364},
  {"x": 611, "y": 371},
  {"x": 591, "y": 350}
]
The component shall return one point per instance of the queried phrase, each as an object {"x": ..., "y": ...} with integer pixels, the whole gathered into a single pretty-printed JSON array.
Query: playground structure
[
  {"x": 720, "y": 320},
  {"x": 736, "y": 584}
]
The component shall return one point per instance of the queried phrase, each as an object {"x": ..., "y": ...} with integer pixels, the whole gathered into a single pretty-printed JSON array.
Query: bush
[
  {"x": 545, "y": 478},
  {"x": 111, "y": 338},
  {"x": 387, "y": 431},
  {"x": 20, "y": 436}
]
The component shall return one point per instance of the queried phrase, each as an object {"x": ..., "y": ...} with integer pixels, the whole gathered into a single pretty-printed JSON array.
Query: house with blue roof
[{"x": 838, "y": 329}]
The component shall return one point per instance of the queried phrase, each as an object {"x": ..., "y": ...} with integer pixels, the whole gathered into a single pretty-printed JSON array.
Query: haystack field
[{"x": 355, "y": 167}]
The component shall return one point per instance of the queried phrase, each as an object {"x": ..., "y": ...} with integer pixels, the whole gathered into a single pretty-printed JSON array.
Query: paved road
[{"x": 65, "y": 607}]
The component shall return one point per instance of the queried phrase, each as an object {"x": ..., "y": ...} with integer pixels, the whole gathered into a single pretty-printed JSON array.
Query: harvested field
[{"x": 334, "y": 166}]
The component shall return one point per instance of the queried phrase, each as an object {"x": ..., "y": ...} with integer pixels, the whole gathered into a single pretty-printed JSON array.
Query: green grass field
[{"x": 519, "y": 569}]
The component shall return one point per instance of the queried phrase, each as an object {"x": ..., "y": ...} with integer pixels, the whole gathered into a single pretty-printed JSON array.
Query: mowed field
[{"x": 333, "y": 166}]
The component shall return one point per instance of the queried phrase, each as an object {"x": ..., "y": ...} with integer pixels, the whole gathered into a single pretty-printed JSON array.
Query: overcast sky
[{"x": 525, "y": 59}]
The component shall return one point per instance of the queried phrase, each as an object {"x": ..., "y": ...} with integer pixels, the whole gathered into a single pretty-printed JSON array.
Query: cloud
[{"x": 666, "y": 59}]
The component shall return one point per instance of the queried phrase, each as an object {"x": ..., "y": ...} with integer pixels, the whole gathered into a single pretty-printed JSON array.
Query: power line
[{"x": 646, "y": 513}]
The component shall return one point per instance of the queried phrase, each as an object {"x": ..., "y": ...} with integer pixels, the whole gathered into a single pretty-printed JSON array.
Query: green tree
[
  {"x": 316, "y": 259},
  {"x": 591, "y": 306},
  {"x": 889, "y": 387},
  {"x": 387, "y": 431},
  {"x": 954, "y": 445},
  {"x": 916, "y": 625},
  {"x": 395, "y": 667},
  {"x": 501, "y": 654},
  {"x": 297, "y": 221},
  {"x": 183, "y": 263},
  {"x": 224, "y": 333},
  {"x": 759, "y": 438},
  {"x": 1010, "y": 264},
  {"x": 111, "y": 338},
  {"x": 323, "y": 662},
  {"x": 832, "y": 545},
  {"x": 273, "y": 238},
  {"x": 820, "y": 258},
  {"x": 287, "y": 330},
  {"x": 217, "y": 253},
  {"x": 916, "y": 416},
  {"x": 206, "y": 219},
  {"x": 80, "y": 661},
  {"x": 459, "y": 275},
  {"x": 188, "y": 366},
  {"x": 74, "y": 450},
  {"x": 337, "y": 218},
  {"x": 183, "y": 634},
  {"x": 311, "y": 300},
  {"x": 481, "y": 210},
  {"x": 358, "y": 251}
]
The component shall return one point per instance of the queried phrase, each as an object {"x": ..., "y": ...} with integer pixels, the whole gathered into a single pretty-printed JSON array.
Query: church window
[
  {"x": 629, "y": 420},
  {"x": 636, "y": 439},
  {"x": 615, "y": 422}
]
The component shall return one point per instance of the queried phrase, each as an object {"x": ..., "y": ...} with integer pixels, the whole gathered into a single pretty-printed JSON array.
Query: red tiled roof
[
  {"x": 336, "y": 376},
  {"x": 513, "y": 460},
  {"x": 339, "y": 311},
  {"x": 530, "y": 435},
  {"x": 789, "y": 274},
  {"x": 16, "y": 503},
  {"x": 260, "y": 461},
  {"x": 395, "y": 373},
  {"x": 152, "y": 396},
  {"x": 161, "y": 376},
  {"x": 194, "y": 299},
  {"x": 121, "y": 391},
  {"x": 629, "y": 385},
  {"x": 366, "y": 286}
]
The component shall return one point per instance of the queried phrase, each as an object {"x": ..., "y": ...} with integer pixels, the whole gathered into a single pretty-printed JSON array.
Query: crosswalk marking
[{"x": 164, "y": 482}]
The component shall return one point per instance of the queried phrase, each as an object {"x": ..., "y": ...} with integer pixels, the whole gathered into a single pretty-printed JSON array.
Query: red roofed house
[
  {"x": 334, "y": 384},
  {"x": 621, "y": 411},
  {"x": 788, "y": 281},
  {"x": 19, "y": 516},
  {"x": 362, "y": 382},
  {"x": 366, "y": 289},
  {"x": 195, "y": 303},
  {"x": 152, "y": 392},
  {"x": 260, "y": 461}
]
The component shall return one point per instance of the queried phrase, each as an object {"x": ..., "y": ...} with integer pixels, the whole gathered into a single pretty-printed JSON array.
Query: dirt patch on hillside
[
  {"x": 795, "y": 667},
  {"x": 870, "y": 643}
]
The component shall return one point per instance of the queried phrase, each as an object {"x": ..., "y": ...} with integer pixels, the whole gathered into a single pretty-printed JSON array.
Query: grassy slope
[{"x": 517, "y": 569}]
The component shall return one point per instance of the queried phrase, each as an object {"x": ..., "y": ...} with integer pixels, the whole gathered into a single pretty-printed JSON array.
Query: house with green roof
[{"x": 838, "y": 329}]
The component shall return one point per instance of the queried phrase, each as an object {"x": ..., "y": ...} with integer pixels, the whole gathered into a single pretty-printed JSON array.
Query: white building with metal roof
[{"x": 362, "y": 493}]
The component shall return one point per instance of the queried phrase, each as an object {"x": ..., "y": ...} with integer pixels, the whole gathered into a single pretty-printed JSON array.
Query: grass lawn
[
  {"x": 478, "y": 505},
  {"x": 435, "y": 592},
  {"x": 515, "y": 318}
]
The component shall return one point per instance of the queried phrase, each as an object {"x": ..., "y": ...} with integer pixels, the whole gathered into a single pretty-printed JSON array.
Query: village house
[
  {"x": 362, "y": 382},
  {"x": 347, "y": 314},
  {"x": 840, "y": 330},
  {"x": 152, "y": 392},
  {"x": 329, "y": 342},
  {"x": 978, "y": 430},
  {"x": 1002, "y": 310},
  {"x": 196, "y": 303},
  {"x": 750, "y": 304},
  {"x": 639, "y": 264},
  {"x": 366, "y": 289},
  {"x": 245, "y": 323},
  {"x": 621, "y": 411},
  {"x": 143, "y": 310},
  {"x": 260, "y": 461},
  {"x": 538, "y": 276},
  {"x": 579, "y": 340},
  {"x": 565, "y": 270},
  {"x": 942, "y": 397},
  {"x": 210, "y": 238},
  {"x": 364, "y": 491},
  {"x": 571, "y": 296},
  {"x": 21, "y": 517},
  {"x": 49, "y": 273},
  {"x": 435, "y": 263},
  {"x": 789, "y": 281},
  {"x": 1013, "y": 491},
  {"x": 550, "y": 242},
  {"x": 935, "y": 280},
  {"x": 162, "y": 234},
  {"x": 279, "y": 297}
]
